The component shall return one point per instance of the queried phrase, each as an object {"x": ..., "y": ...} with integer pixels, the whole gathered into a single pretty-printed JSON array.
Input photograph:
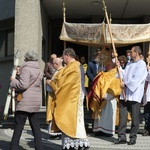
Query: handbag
[{"x": 20, "y": 96}]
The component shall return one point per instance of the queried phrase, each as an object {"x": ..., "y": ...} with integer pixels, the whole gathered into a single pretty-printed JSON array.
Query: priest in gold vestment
[
  {"x": 103, "y": 99},
  {"x": 68, "y": 111}
]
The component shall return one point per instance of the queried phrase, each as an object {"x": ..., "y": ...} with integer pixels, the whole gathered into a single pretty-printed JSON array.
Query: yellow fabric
[
  {"x": 50, "y": 107},
  {"x": 86, "y": 82},
  {"x": 51, "y": 96},
  {"x": 67, "y": 99},
  {"x": 107, "y": 83}
]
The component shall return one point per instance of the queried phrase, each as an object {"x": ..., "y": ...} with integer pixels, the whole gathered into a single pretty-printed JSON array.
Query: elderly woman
[{"x": 30, "y": 84}]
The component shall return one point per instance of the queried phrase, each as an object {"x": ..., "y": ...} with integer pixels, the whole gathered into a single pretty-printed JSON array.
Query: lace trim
[{"x": 68, "y": 142}]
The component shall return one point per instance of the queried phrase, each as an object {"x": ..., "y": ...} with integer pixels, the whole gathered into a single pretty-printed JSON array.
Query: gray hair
[
  {"x": 31, "y": 56},
  {"x": 137, "y": 49},
  {"x": 70, "y": 52}
]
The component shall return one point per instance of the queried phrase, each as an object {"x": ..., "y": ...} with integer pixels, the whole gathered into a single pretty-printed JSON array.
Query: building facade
[
  {"x": 25, "y": 25},
  {"x": 20, "y": 29}
]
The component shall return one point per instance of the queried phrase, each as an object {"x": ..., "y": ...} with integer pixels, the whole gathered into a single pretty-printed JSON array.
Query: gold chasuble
[
  {"x": 104, "y": 82},
  {"x": 50, "y": 107},
  {"x": 51, "y": 96},
  {"x": 68, "y": 111}
]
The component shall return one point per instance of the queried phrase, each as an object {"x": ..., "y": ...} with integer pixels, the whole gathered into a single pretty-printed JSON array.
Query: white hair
[{"x": 31, "y": 56}]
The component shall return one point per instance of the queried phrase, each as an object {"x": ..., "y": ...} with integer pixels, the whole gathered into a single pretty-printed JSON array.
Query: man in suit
[{"x": 93, "y": 68}]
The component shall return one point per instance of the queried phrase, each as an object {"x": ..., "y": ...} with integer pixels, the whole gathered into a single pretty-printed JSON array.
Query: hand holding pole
[{"x": 113, "y": 45}]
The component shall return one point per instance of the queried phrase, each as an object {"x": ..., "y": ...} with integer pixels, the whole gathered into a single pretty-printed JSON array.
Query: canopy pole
[
  {"x": 64, "y": 12},
  {"x": 148, "y": 58},
  {"x": 64, "y": 20},
  {"x": 64, "y": 44},
  {"x": 113, "y": 45},
  {"x": 110, "y": 19}
]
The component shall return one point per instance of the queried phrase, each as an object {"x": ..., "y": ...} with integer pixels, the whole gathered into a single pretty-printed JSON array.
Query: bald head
[{"x": 57, "y": 63}]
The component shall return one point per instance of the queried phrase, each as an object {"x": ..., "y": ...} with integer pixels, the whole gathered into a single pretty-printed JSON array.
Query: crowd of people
[{"x": 71, "y": 83}]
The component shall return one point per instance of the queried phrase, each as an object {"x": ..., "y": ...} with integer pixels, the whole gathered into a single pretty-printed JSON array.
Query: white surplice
[
  {"x": 134, "y": 77},
  {"x": 147, "y": 95}
]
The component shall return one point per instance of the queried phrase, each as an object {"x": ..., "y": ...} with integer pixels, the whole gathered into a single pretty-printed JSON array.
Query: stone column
[{"x": 28, "y": 28}]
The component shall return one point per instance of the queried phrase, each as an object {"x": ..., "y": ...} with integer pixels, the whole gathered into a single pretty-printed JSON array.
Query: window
[
  {"x": 6, "y": 43},
  {"x": 2, "y": 44}
]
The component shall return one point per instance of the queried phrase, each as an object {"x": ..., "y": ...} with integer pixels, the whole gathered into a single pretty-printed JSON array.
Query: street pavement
[{"x": 97, "y": 143}]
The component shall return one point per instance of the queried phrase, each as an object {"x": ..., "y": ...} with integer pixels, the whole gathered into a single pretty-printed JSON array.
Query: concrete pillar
[{"x": 28, "y": 28}]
